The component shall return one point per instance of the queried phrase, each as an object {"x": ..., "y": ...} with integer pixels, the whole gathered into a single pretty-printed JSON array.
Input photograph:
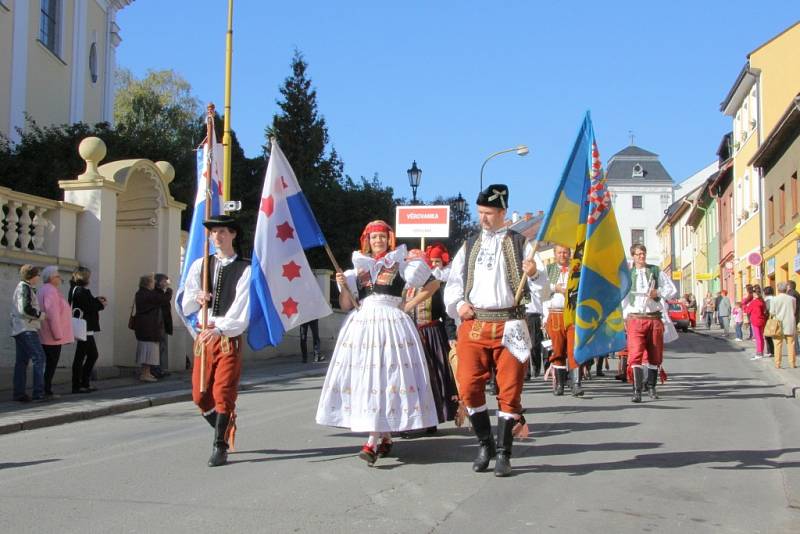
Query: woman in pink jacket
[
  {"x": 757, "y": 310},
  {"x": 57, "y": 325}
]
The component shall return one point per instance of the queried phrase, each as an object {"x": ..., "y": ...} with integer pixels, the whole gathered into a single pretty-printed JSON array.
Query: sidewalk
[
  {"x": 787, "y": 376},
  {"x": 119, "y": 395}
]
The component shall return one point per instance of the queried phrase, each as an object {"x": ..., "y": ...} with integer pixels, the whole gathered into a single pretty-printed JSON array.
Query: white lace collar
[{"x": 363, "y": 262}]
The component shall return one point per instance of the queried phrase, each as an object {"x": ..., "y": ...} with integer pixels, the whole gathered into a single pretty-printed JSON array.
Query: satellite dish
[{"x": 754, "y": 258}]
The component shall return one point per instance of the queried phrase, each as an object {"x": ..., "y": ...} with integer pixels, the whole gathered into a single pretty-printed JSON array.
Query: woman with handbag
[
  {"x": 756, "y": 308},
  {"x": 81, "y": 298},
  {"x": 781, "y": 309},
  {"x": 57, "y": 325},
  {"x": 149, "y": 324},
  {"x": 769, "y": 294}
]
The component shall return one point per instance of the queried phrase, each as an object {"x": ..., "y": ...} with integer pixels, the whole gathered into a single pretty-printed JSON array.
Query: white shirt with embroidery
[
  {"x": 235, "y": 320},
  {"x": 642, "y": 303},
  {"x": 490, "y": 288}
]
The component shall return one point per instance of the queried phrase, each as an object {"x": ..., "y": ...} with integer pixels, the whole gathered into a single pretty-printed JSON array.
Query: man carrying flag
[{"x": 217, "y": 348}]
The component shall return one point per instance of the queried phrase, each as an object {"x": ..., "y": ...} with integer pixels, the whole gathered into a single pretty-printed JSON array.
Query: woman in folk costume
[
  {"x": 426, "y": 307},
  {"x": 377, "y": 380}
]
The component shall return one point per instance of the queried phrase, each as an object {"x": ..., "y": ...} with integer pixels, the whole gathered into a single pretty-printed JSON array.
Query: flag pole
[
  {"x": 209, "y": 167},
  {"x": 226, "y": 133},
  {"x": 524, "y": 279},
  {"x": 339, "y": 271}
]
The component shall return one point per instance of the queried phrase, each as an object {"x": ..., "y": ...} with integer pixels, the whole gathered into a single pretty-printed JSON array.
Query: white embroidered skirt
[{"x": 377, "y": 379}]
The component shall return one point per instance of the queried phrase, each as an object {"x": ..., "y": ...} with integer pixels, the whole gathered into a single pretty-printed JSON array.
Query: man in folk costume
[
  {"x": 481, "y": 289},
  {"x": 540, "y": 291},
  {"x": 562, "y": 336},
  {"x": 228, "y": 313},
  {"x": 642, "y": 310}
]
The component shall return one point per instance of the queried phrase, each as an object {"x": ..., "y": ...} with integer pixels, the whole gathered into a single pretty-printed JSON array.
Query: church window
[
  {"x": 637, "y": 236},
  {"x": 637, "y": 202},
  {"x": 49, "y": 24},
  {"x": 638, "y": 172}
]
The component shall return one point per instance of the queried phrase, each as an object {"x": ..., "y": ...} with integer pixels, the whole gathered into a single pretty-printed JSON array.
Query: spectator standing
[
  {"x": 746, "y": 318},
  {"x": 314, "y": 326},
  {"x": 792, "y": 292},
  {"x": 756, "y": 308},
  {"x": 56, "y": 328},
  {"x": 769, "y": 294},
  {"x": 708, "y": 310},
  {"x": 149, "y": 324},
  {"x": 724, "y": 312},
  {"x": 782, "y": 307},
  {"x": 717, "y": 300},
  {"x": 26, "y": 320},
  {"x": 161, "y": 370},
  {"x": 738, "y": 317},
  {"x": 81, "y": 298}
]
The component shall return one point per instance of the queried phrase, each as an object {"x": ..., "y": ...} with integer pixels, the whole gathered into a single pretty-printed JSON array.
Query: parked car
[{"x": 678, "y": 314}]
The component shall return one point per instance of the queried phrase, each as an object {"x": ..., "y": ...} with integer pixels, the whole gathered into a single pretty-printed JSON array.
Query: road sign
[{"x": 422, "y": 221}]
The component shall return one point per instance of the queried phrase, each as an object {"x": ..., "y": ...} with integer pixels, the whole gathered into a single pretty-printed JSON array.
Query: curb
[{"x": 119, "y": 406}]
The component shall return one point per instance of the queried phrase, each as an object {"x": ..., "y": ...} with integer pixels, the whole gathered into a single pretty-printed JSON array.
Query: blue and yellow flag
[{"x": 599, "y": 273}]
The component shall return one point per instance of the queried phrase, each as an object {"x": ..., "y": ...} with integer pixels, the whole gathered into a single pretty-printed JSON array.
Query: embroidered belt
[
  {"x": 650, "y": 315},
  {"x": 500, "y": 314},
  {"x": 557, "y": 310}
]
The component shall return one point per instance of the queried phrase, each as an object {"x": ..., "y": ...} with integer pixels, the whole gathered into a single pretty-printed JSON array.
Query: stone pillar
[{"x": 96, "y": 237}]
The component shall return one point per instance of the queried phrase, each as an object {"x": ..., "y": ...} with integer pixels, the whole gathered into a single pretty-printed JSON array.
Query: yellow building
[
  {"x": 778, "y": 161},
  {"x": 758, "y": 98},
  {"x": 57, "y": 61}
]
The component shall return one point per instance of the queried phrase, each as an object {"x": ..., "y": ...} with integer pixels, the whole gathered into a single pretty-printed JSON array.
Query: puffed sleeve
[
  {"x": 415, "y": 272},
  {"x": 350, "y": 280}
]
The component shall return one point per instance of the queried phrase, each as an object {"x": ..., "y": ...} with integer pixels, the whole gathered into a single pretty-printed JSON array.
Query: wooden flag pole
[
  {"x": 207, "y": 215},
  {"x": 524, "y": 279},
  {"x": 339, "y": 271},
  {"x": 226, "y": 131}
]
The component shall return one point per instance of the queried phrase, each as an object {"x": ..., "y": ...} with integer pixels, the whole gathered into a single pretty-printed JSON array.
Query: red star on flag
[
  {"x": 268, "y": 205},
  {"x": 289, "y": 307},
  {"x": 285, "y": 231},
  {"x": 291, "y": 270}
]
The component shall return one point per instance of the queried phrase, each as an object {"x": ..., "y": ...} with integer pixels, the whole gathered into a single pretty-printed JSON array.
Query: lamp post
[
  {"x": 414, "y": 176},
  {"x": 521, "y": 150},
  {"x": 460, "y": 206}
]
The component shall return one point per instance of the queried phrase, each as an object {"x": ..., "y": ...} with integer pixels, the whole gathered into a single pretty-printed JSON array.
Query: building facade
[
  {"x": 640, "y": 187},
  {"x": 57, "y": 61}
]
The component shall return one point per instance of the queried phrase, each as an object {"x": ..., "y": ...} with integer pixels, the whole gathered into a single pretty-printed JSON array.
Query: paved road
[{"x": 720, "y": 452}]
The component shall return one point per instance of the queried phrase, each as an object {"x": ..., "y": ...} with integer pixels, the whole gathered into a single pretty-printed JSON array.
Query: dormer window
[{"x": 638, "y": 172}]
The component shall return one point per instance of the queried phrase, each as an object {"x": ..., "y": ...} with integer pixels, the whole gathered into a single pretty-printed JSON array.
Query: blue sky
[{"x": 447, "y": 83}]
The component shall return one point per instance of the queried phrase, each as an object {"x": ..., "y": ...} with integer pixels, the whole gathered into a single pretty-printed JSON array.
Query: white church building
[{"x": 641, "y": 190}]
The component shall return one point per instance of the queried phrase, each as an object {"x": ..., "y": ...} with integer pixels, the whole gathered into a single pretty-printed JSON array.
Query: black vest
[
  {"x": 513, "y": 254},
  {"x": 387, "y": 282},
  {"x": 223, "y": 289}
]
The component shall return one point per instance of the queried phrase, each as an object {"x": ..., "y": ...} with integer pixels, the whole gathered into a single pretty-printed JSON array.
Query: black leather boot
[
  {"x": 623, "y": 374},
  {"x": 638, "y": 382},
  {"x": 483, "y": 430},
  {"x": 561, "y": 379},
  {"x": 575, "y": 375},
  {"x": 211, "y": 417},
  {"x": 652, "y": 379},
  {"x": 318, "y": 357},
  {"x": 219, "y": 455},
  {"x": 502, "y": 465},
  {"x": 599, "y": 370}
]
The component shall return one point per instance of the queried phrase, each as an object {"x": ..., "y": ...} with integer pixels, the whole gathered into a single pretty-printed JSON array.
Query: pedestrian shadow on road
[
  {"x": 737, "y": 459},
  {"x": 558, "y": 429},
  {"x": 12, "y": 465}
]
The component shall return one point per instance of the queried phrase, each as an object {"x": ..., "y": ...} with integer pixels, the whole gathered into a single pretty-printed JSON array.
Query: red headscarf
[
  {"x": 376, "y": 226},
  {"x": 437, "y": 250}
]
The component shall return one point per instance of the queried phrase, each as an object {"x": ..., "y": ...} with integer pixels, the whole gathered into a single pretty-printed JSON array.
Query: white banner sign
[{"x": 422, "y": 221}]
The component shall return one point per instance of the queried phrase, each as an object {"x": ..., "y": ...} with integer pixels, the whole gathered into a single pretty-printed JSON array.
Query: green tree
[{"x": 341, "y": 205}]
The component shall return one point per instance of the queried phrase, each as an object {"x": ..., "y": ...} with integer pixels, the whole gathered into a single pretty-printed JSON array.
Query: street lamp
[
  {"x": 460, "y": 205},
  {"x": 521, "y": 150},
  {"x": 414, "y": 176}
]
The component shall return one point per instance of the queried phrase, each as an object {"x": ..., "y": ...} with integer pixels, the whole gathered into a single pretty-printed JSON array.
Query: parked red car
[{"x": 678, "y": 314}]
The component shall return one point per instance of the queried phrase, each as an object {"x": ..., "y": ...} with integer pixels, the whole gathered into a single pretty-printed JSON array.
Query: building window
[
  {"x": 637, "y": 202},
  {"x": 771, "y": 215},
  {"x": 93, "y": 62},
  {"x": 638, "y": 172},
  {"x": 637, "y": 236},
  {"x": 48, "y": 24},
  {"x": 794, "y": 194},
  {"x": 782, "y": 206}
]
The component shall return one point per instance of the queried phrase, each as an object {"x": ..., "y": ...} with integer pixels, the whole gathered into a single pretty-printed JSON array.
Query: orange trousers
[
  {"x": 222, "y": 373},
  {"x": 479, "y": 347},
  {"x": 563, "y": 339}
]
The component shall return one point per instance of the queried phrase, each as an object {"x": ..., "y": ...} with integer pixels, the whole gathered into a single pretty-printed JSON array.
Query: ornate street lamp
[
  {"x": 414, "y": 176},
  {"x": 521, "y": 150}
]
